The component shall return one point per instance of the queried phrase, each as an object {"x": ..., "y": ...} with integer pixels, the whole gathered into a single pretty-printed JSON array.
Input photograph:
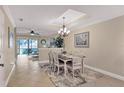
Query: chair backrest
[
  {"x": 50, "y": 57},
  {"x": 55, "y": 57},
  {"x": 77, "y": 62}
]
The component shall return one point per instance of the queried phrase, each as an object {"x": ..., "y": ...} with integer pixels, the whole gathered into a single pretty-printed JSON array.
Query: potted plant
[{"x": 59, "y": 42}]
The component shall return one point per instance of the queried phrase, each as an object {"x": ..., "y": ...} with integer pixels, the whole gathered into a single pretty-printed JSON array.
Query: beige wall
[
  {"x": 9, "y": 53},
  {"x": 106, "y": 50}
]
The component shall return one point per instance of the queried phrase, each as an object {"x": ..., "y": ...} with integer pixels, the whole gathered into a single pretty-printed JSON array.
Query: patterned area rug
[
  {"x": 60, "y": 81},
  {"x": 89, "y": 76}
]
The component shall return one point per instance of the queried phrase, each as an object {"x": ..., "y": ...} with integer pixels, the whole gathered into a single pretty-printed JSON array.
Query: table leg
[
  {"x": 65, "y": 69},
  {"x": 82, "y": 70}
]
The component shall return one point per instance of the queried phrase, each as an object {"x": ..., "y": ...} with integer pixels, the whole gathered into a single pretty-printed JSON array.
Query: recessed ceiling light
[{"x": 21, "y": 19}]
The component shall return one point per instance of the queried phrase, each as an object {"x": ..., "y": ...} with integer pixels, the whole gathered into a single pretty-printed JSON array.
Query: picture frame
[
  {"x": 81, "y": 40},
  {"x": 43, "y": 41}
]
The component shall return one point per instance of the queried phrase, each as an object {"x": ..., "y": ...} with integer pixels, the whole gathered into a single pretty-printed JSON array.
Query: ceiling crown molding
[{"x": 8, "y": 13}]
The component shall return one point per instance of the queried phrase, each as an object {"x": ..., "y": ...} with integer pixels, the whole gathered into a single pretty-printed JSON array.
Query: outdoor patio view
[{"x": 27, "y": 46}]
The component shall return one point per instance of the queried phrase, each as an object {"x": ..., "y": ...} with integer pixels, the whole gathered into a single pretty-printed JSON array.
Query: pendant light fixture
[{"x": 63, "y": 31}]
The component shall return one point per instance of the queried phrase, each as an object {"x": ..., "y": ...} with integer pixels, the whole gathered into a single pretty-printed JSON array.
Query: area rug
[
  {"x": 61, "y": 81},
  {"x": 89, "y": 76}
]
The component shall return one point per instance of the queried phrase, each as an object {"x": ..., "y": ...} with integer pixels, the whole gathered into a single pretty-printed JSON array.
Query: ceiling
[{"x": 39, "y": 17}]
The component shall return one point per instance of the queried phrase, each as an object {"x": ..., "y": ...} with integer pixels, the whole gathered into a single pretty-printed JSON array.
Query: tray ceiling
[{"x": 41, "y": 18}]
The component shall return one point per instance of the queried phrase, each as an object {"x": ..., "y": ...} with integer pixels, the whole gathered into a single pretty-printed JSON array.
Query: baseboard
[
  {"x": 105, "y": 72},
  {"x": 9, "y": 76}
]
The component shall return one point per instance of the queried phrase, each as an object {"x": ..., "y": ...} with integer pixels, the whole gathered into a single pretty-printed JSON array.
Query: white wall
[{"x": 9, "y": 53}]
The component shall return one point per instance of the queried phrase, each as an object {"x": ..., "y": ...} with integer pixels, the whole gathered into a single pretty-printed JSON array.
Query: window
[
  {"x": 27, "y": 46},
  {"x": 22, "y": 46}
]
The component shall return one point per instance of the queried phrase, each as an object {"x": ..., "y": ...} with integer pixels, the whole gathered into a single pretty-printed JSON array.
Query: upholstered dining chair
[
  {"x": 57, "y": 63},
  {"x": 75, "y": 65}
]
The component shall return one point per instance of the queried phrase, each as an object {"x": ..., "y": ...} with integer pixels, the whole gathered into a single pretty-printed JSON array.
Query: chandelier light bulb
[
  {"x": 68, "y": 31},
  {"x": 65, "y": 29},
  {"x": 62, "y": 33},
  {"x": 59, "y": 32}
]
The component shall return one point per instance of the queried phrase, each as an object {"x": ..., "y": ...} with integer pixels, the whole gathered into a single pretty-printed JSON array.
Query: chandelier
[{"x": 63, "y": 31}]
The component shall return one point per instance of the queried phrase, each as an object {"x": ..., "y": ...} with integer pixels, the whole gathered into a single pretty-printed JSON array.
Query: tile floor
[{"x": 29, "y": 74}]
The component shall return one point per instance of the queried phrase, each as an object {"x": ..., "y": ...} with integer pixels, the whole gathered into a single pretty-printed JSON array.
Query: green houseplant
[{"x": 59, "y": 41}]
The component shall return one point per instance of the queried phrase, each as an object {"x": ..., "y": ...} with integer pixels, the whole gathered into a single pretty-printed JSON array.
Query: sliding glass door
[
  {"x": 27, "y": 46},
  {"x": 23, "y": 46},
  {"x": 33, "y": 46}
]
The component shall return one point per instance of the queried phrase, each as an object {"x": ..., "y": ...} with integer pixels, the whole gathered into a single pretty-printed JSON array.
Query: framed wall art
[{"x": 81, "y": 40}]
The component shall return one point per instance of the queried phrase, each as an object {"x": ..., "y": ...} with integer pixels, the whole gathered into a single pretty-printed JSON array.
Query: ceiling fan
[{"x": 33, "y": 33}]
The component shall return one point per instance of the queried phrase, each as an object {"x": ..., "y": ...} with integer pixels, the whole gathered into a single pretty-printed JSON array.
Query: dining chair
[
  {"x": 75, "y": 65},
  {"x": 57, "y": 63},
  {"x": 51, "y": 60}
]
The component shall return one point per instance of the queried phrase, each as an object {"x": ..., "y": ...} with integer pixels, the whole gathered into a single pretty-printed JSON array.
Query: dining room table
[
  {"x": 69, "y": 58},
  {"x": 65, "y": 58}
]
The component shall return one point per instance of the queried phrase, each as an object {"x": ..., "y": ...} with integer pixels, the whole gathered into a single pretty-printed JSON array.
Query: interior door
[{"x": 2, "y": 82}]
